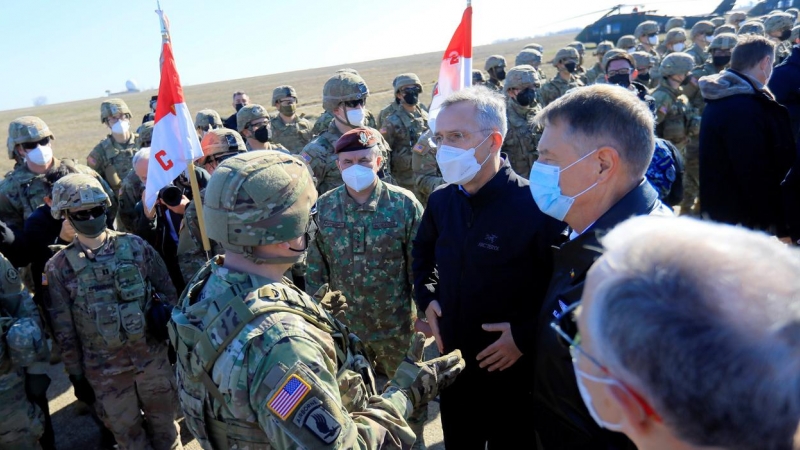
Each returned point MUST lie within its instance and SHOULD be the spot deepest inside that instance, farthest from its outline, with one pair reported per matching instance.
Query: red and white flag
(455, 72)
(175, 141)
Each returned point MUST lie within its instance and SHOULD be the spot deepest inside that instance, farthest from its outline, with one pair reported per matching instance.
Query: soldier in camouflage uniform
(736, 19)
(566, 61)
(627, 43)
(260, 364)
(130, 192)
(403, 125)
(111, 158)
(644, 68)
(289, 129)
(751, 27)
(427, 176)
(701, 36)
(580, 71)
(675, 41)
(531, 58)
(523, 136)
(677, 120)
(24, 188)
(104, 289)
(23, 355)
(778, 29)
(596, 72)
(253, 124)
(344, 95)
(206, 120)
(363, 249)
(144, 134)
(538, 47)
(325, 119)
(646, 35)
(495, 66)
(724, 28)
(478, 77)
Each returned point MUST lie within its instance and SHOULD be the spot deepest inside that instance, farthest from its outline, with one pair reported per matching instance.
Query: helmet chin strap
(250, 255)
(346, 121)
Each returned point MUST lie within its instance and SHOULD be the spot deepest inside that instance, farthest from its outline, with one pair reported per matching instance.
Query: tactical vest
(108, 310)
(675, 126)
(413, 126)
(119, 161)
(197, 353)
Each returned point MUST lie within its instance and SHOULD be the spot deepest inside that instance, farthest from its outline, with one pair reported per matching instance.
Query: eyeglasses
(354, 103)
(625, 71)
(88, 214)
(255, 126)
(411, 90)
(651, 34)
(33, 145)
(710, 33)
(288, 101)
(455, 138)
(566, 327)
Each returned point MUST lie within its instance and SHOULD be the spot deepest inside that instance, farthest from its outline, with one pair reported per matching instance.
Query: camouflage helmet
(675, 22)
(348, 70)
(724, 41)
(343, 87)
(538, 47)
(477, 77)
(406, 79)
(795, 34)
(614, 54)
(678, 63)
(724, 28)
(578, 45)
(674, 36)
(144, 134)
(717, 21)
(642, 59)
(26, 342)
(521, 77)
(77, 190)
(112, 107)
(794, 12)
(702, 27)
(626, 42)
(646, 27)
(778, 23)
(248, 114)
(258, 198)
(207, 118)
(528, 56)
(603, 47)
(282, 92)
(751, 27)
(26, 129)
(566, 53)
(494, 61)
(222, 140)
(737, 17)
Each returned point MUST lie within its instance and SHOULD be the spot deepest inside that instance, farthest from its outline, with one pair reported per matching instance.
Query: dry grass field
(77, 126)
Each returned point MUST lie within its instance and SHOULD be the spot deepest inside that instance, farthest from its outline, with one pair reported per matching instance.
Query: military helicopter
(767, 6)
(615, 24)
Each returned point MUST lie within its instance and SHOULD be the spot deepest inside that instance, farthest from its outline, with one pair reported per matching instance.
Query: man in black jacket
(785, 85)
(240, 100)
(481, 262)
(597, 144)
(746, 142)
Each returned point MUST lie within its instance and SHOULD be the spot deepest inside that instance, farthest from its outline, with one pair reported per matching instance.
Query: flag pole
(198, 207)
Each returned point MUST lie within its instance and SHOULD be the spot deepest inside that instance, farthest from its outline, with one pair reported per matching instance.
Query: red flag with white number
(455, 73)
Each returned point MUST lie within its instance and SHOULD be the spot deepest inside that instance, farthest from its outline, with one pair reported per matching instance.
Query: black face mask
(525, 98)
(500, 74)
(786, 35)
(239, 106)
(263, 134)
(720, 61)
(621, 79)
(411, 98)
(686, 80)
(570, 66)
(644, 78)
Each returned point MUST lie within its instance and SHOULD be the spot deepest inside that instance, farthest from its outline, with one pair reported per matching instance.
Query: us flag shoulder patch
(305, 157)
(418, 148)
(664, 109)
(284, 402)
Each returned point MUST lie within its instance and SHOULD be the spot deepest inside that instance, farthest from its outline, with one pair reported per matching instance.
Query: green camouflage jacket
(692, 90)
(130, 193)
(113, 160)
(402, 130)
(324, 120)
(294, 135)
(522, 138)
(557, 87)
(594, 72)
(427, 175)
(700, 56)
(676, 120)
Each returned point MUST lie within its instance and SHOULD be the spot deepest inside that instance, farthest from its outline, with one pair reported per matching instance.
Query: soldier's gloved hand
(83, 391)
(333, 301)
(422, 380)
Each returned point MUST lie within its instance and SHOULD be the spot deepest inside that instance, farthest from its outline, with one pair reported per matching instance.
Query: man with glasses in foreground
(688, 345)
(595, 149)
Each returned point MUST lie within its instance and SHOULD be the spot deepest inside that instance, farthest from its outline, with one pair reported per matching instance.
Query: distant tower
(131, 86)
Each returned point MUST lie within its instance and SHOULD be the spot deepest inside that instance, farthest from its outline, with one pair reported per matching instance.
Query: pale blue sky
(74, 49)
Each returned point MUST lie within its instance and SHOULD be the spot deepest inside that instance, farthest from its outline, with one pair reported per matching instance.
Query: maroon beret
(356, 139)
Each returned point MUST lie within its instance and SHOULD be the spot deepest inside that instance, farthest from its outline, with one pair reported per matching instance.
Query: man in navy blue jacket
(481, 263)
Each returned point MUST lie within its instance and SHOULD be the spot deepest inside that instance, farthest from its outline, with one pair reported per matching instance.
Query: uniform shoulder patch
(11, 275)
(419, 148)
(91, 160)
(664, 109)
(305, 157)
(288, 396)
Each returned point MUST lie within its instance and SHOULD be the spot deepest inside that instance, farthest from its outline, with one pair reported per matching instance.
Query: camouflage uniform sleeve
(663, 104)
(158, 274)
(414, 214)
(127, 206)
(114, 209)
(426, 171)
(317, 273)
(9, 214)
(549, 93)
(389, 131)
(96, 159)
(60, 311)
(314, 155)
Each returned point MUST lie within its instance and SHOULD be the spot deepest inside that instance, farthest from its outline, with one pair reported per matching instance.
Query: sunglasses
(413, 90)
(33, 145)
(651, 34)
(354, 103)
(88, 214)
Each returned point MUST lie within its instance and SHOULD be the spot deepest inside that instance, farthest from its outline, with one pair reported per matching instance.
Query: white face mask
(632, 49)
(546, 191)
(356, 116)
(678, 46)
(121, 126)
(653, 40)
(587, 397)
(709, 39)
(459, 166)
(358, 177)
(41, 155)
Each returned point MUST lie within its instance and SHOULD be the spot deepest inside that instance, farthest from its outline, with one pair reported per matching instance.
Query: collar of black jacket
(494, 186)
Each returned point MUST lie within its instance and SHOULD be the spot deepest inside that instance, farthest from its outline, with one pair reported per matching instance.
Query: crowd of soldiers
(101, 300)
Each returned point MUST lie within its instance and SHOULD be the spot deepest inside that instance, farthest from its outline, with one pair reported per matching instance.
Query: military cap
(221, 140)
(528, 56)
(725, 28)
(678, 63)
(477, 76)
(675, 35)
(494, 61)
(207, 118)
(248, 114)
(717, 21)
(626, 42)
(521, 77)
(675, 22)
(702, 27)
(737, 17)
(342, 87)
(752, 27)
(603, 47)
(578, 45)
(26, 129)
(795, 34)
(535, 46)
(356, 139)
(77, 190)
(778, 22)
(144, 134)
(282, 92)
(406, 79)
(112, 107)
(646, 27)
(566, 53)
(724, 41)
(614, 54)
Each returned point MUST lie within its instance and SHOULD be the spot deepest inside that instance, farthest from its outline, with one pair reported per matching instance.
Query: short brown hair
(239, 93)
(750, 50)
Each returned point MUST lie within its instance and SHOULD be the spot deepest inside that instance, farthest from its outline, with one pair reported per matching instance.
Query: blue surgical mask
(546, 191)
